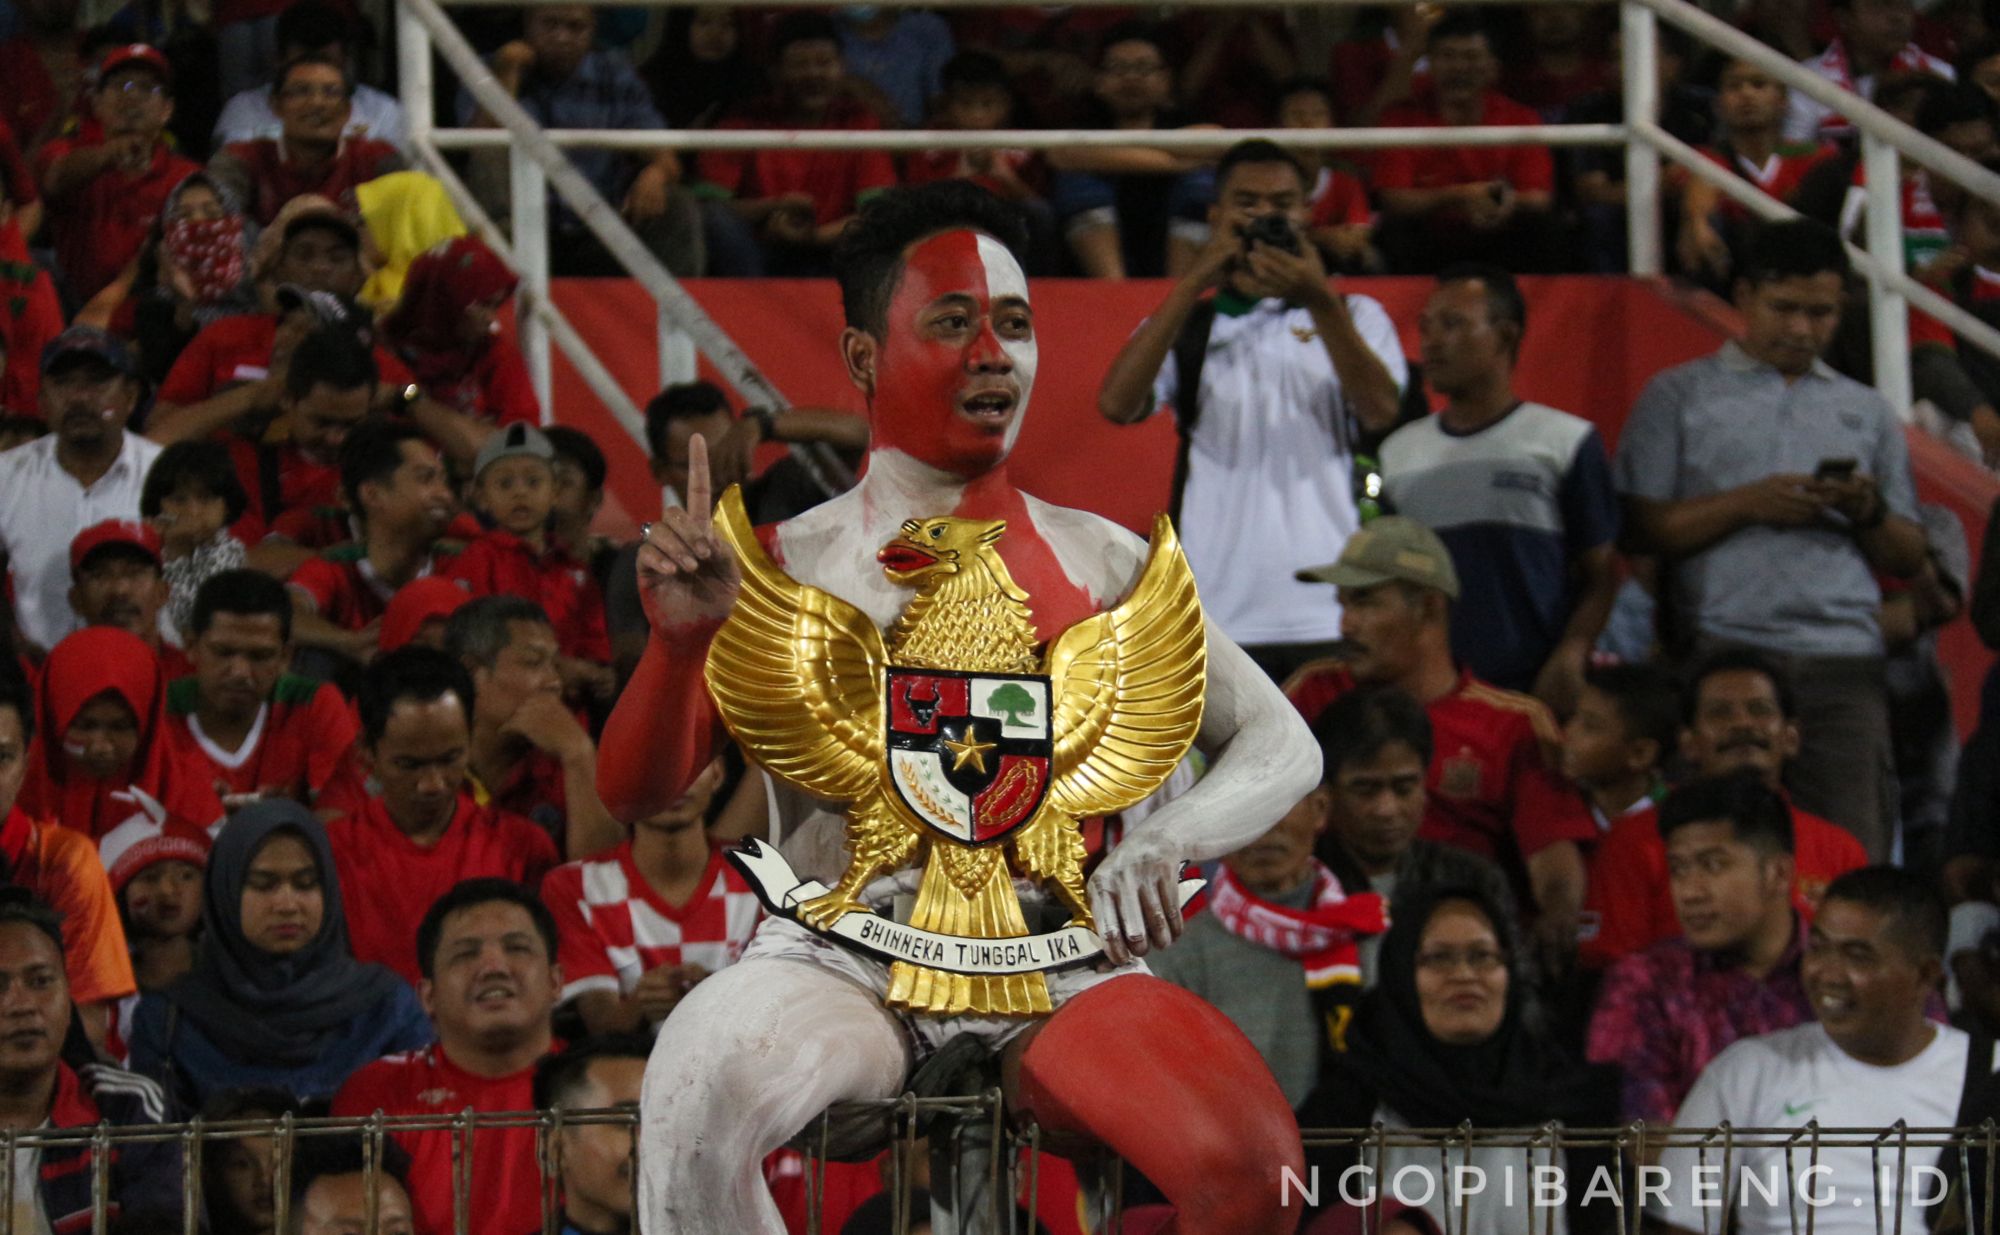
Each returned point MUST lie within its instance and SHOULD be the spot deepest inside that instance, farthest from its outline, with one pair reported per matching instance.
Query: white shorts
(784, 939)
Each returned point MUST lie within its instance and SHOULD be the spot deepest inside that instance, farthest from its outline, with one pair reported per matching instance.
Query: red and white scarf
(1324, 939)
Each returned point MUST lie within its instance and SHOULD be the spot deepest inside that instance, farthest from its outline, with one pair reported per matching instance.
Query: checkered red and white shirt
(614, 927)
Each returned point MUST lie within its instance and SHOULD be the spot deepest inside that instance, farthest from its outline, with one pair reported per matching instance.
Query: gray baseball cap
(514, 441)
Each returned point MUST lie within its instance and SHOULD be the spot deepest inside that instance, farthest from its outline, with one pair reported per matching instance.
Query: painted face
(952, 377)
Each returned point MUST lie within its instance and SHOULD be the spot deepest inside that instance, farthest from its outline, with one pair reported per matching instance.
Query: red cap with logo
(128, 532)
(135, 53)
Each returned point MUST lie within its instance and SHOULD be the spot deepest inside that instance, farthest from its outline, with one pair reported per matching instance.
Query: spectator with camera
(1274, 380)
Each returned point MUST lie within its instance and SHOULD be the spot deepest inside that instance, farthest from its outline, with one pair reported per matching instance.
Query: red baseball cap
(129, 532)
(135, 53)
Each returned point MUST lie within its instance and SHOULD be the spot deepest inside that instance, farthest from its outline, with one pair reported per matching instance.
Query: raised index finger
(698, 500)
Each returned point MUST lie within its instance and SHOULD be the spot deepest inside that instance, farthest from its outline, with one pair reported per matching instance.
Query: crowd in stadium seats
(1640, 796)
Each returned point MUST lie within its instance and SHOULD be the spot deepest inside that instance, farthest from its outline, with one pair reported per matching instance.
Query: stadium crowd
(1640, 795)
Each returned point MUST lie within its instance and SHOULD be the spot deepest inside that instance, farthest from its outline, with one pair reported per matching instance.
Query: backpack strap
(1190, 354)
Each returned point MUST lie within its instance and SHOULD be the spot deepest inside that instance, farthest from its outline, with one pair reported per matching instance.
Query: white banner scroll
(782, 892)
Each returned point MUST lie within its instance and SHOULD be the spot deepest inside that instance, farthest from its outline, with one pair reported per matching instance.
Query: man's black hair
(1364, 722)
(469, 894)
(802, 27)
(1136, 32)
(477, 630)
(15, 693)
(371, 454)
(1793, 249)
(1504, 302)
(249, 1102)
(244, 593)
(1306, 85)
(560, 1076)
(695, 400)
(414, 672)
(298, 62)
(1953, 103)
(333, 1154)
(1258, 151)
(1757, 813)
(868, 261)
(202, 461)
(580, 448)
(1737, 660)
(974, 68)
(335, 356)
(1462, 24)
(1917, 915)
(1647, 699)
(313, 25)
(1975, 53)
(18, 904)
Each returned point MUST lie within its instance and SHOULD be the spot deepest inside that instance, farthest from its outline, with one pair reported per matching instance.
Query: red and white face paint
(955, 369)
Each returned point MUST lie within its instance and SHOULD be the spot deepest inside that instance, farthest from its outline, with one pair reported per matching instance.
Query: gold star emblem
(969, 750)
(1304, 334)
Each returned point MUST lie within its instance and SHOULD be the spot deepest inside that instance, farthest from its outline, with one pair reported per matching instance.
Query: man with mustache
(118, 582)
(941, 342)
(1740, 716)
(490, 979)
(89, 469)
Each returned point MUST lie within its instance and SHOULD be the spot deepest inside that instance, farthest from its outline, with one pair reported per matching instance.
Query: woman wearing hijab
(276, 997)
(1446, 1038)
(446, 328)
(406, 214)
(701, 69)
(103, 755)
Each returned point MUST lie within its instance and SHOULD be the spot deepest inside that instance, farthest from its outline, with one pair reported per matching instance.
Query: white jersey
(1786, 1080)
(1268, 486)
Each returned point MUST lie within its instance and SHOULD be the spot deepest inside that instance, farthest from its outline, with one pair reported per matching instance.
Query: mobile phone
(1836, 469)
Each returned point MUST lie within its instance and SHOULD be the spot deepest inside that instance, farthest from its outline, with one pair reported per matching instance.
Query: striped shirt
(614, 928)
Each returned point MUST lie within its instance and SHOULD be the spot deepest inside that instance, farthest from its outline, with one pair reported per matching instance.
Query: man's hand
(1298, 277)
(1986, 428)
(661, 990)
(1855, 497)
(647, 199)
(1223, 250)
(1782, 500)
(363, 644)
(512, 62)
(1135, 897)
(688, 578)
(1702, 250)
(547, 723)
(1560, 681)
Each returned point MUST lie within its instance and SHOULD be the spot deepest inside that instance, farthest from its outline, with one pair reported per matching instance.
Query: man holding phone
(1775, 491)
(1273, 380)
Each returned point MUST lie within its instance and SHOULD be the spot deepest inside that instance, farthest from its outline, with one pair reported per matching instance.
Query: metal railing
(1449, 1171)
(536, 163)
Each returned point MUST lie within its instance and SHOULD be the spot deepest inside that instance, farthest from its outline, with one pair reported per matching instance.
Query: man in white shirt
(1287, 375)
(88, 470)
(1872, 960)
(306, 28)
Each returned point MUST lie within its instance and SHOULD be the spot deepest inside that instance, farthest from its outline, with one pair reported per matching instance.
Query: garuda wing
(796, 674)
(1128, 687)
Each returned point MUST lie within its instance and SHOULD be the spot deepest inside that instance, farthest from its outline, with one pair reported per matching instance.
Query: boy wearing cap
(88, 469)
(514, 490)
(155, 878)
(1493, 786)
(105, 193)
(117, 580)
(61, 866)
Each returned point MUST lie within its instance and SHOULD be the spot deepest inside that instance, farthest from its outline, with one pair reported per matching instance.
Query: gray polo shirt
(1726, 420)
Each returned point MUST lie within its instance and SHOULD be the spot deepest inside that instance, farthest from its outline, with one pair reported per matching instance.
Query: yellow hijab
(406, 214)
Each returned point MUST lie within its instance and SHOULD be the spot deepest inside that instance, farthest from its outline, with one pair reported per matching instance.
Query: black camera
(1273, 229)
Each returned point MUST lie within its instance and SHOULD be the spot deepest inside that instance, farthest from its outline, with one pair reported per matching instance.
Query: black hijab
(1519, 1077)
(694, 93)
(259, 1007)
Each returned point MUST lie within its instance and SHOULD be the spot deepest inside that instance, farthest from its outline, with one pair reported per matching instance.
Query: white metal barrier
(536, 163)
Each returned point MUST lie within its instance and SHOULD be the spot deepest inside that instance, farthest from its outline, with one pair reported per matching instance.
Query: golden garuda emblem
(958, 746)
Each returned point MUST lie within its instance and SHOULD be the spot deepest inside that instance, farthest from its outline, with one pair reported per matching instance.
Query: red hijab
(80, 668)
(423, 328)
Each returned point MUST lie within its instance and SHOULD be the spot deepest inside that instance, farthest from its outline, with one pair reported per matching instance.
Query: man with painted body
(940, 340)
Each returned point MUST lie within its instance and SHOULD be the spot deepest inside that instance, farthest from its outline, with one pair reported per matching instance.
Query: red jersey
(103, 223)
(925, 166)
(1492, 788)
(344, 588)
(836, 180)
(238, 349)
(266, 179)
(1339, 199)
(506, 1178)
(30, 101)
(1634, 906)
(614, 927)
(279, 479)
(535, 789)
(496, 389)
(388, 881)
(1780, 175)
(497, 562)
(301, 741)
(1530, 169)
